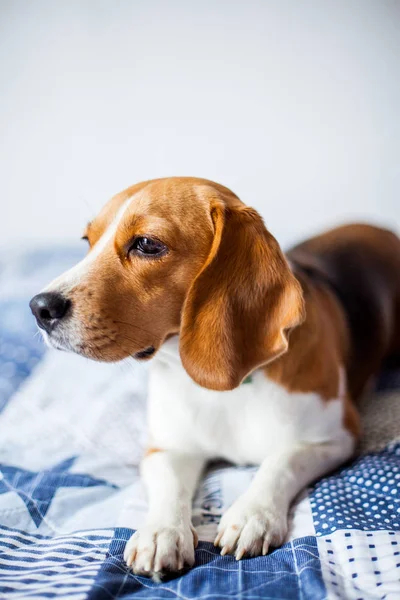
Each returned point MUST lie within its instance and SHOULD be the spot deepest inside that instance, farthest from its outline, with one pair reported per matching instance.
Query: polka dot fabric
(364, 496)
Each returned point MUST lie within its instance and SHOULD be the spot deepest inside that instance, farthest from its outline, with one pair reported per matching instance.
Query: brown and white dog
(180, 269)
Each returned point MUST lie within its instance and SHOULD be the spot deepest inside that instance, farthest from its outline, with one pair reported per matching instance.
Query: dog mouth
(146, 353)
(52, 340)
(59, 341)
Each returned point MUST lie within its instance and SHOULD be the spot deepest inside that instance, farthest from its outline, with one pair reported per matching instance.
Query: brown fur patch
(317, 348)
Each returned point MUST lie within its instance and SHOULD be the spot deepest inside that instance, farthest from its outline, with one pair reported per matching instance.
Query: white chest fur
(244, 425)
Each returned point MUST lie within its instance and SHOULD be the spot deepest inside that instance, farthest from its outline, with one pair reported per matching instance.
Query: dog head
(176, 256)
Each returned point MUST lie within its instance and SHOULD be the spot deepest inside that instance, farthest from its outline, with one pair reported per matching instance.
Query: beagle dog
(257, 358)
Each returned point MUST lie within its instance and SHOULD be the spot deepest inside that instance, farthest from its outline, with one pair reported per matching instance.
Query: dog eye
(148, 246)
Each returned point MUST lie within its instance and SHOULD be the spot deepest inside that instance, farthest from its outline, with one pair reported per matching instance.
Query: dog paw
(160, 552)
(250, 529)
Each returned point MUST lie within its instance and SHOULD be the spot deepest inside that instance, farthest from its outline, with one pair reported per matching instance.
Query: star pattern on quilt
(37, 489)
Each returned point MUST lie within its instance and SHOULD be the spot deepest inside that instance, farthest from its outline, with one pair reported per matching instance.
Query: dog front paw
(250, 529)
(158, 552)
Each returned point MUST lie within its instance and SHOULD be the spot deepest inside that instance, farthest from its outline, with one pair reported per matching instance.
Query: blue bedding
(72, 433)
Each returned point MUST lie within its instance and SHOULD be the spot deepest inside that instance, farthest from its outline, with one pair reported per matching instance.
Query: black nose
(48, 309)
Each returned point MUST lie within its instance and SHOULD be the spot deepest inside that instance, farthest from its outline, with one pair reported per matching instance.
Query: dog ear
(242, 304)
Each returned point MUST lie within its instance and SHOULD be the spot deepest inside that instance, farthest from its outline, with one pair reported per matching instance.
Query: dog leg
(258, 518)
(165, 545)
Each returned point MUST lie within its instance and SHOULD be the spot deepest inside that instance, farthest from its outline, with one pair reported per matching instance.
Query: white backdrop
(293, 104)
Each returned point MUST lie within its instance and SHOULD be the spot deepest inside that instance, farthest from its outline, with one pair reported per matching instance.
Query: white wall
(295, 105)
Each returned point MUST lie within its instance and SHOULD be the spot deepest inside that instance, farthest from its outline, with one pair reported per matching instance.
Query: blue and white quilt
(72, 434)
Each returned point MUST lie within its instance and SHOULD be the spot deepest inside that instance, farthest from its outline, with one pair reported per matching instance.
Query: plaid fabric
(72, 436)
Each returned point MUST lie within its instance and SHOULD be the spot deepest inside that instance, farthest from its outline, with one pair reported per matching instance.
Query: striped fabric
(44, 567)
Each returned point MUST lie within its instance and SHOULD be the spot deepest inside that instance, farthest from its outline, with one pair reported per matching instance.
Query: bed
(72, 434)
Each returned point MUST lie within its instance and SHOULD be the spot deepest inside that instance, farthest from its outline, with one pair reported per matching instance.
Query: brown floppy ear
(241, 305)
